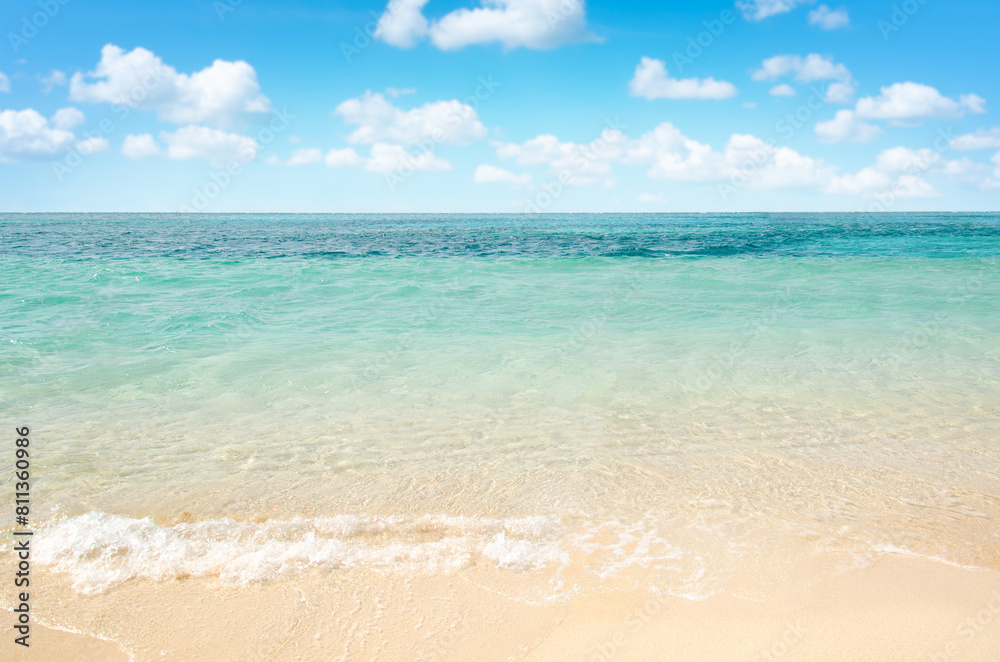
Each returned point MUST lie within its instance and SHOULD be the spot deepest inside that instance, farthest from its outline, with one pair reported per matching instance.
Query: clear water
(683, 397)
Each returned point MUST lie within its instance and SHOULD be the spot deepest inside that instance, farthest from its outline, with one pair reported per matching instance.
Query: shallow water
(687, 397)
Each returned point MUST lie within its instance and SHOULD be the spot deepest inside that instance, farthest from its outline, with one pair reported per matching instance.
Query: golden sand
(896, 608)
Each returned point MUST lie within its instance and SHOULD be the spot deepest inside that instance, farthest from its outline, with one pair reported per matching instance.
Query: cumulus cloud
(342, 158)
(587, 164)
(4, 82)
(53, 80)
(139, 146)
(829, 19)
(488, 174)
(402, 24)
(399, 91)
(865, 180)
(675, 157)
(387, 158)
(67, 118)
(840, 92)
(27, 134)
(808, 69)
(758, 10)
(901, 104)
(981, 139)
(994, 181)
(447, 122)
(783, 90)
(301, 156)
(871, 183)
(846, 127)
(900, 159)
(217, 95)
(908, 104)
(535, 24)
(213, 145)
(898, 172)
(651, 81)
(92, 145)
(671, 156)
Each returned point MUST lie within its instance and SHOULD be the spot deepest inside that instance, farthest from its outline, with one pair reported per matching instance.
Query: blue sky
(499, 106)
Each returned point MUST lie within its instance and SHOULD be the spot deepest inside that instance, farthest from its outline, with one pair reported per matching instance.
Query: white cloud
(139, 146)
(981, 139)
(648, 198)
(67, 118)
(808, 69)
(675, 157)
(215, 146)
(671, 156)
(902, 104)
(399, 91)
(449, 122)
(897, 174)
(26, 134)
(651, 81)
(840, 92)
(846, 127)
(871, 183)
(217, 95)
(984, 175)
(829, 19)
(4, 82)
(575, 164)
(865, 180)
(910, 103)
(758, 10)
(395, 159)
(342, 158)
(783, 90)
(994, 182)
(92, 145)
(386, 158)
(402, 24)
(964, 168)
(488, 174)
(536, 24)
(301, 156)
(899, 159)
(53, 80)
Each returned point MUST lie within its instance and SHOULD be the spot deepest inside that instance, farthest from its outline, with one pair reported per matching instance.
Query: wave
(101, 550)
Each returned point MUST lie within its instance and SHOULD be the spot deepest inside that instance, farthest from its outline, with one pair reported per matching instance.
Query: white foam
(686, 559)
(100, 550)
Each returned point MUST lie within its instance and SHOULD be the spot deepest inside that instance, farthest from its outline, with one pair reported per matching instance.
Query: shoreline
(897, 608)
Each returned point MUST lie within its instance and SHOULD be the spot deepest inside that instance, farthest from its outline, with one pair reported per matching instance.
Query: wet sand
(896, 608)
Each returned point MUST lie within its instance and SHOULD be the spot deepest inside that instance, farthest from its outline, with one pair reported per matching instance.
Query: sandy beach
(896, 608)
(653, 438)
(500, 331)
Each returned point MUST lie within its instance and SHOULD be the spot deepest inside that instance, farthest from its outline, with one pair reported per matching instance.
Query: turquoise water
(688, 395)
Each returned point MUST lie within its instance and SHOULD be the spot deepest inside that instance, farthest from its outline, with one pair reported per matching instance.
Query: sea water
(674, 399)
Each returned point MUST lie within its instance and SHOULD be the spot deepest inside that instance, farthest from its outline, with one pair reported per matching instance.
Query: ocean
(684, 403)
